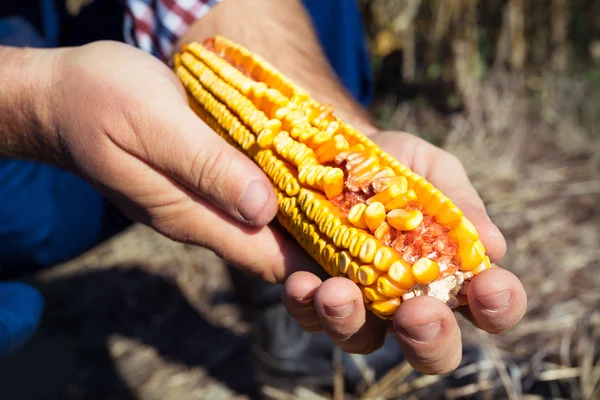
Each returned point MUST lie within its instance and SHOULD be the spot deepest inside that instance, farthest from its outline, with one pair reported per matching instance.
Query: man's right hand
(121, 119)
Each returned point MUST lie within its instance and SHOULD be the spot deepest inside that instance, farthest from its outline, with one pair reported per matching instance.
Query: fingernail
(339, 311)
(253, 200)
(495, 302)
(423, 333)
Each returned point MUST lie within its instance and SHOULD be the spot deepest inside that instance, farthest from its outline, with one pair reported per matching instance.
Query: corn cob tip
(353, 207)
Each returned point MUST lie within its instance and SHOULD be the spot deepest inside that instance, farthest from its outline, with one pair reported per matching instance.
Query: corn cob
(354, 208)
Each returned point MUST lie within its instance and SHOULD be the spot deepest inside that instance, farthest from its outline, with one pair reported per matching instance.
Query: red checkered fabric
(156, 25)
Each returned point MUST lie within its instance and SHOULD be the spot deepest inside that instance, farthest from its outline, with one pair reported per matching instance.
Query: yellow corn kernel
(357, 148)
(401, 274)
(388, 288)
(333, 127)
(368, 250)
(269, 132)
(344, 261)
(328, 150)
(386, 195)
(326, 179)
(374, 215)
(485, 264)
(300, 130)
(311, 209)
(353, 271)
(425, 270)
(386, 307)
(310, 111)
(384, 257)
(367, 275)
(405, 220)
(333, 183)
(435, 203)
(401, 201)
(356, 216)
(356, 243)
(470, 255)
(383, 230)
(338, 235)
(319, 139)
(347, 237)
(413, 179)
(449, 214)
(328, 256)
(259, 95)
(464, 232)
(331, 227)
(325, 219)
(282, 115)
(306, 174)
(395, 180)
(373, 294)
(303, 132)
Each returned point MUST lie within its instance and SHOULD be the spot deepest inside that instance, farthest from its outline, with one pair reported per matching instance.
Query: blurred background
(512, 87)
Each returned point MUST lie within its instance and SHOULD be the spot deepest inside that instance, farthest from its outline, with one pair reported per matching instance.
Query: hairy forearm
(24, 103)
(281, 32)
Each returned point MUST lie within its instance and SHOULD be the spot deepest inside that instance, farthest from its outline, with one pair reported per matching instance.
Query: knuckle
(209, 168)
(439, 360)
(439, 366)
(450, 160)
(496, 326)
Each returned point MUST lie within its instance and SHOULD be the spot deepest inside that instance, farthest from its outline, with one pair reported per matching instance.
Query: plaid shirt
(156, 25)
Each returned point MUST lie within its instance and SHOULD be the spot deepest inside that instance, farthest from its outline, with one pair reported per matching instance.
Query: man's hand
(124, 122)
(426, 327)
(120, 118)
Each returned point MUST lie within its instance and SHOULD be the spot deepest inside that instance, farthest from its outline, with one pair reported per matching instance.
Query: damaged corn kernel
(374, 215)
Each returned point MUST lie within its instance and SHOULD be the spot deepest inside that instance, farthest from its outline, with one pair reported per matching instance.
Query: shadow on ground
(69, 358)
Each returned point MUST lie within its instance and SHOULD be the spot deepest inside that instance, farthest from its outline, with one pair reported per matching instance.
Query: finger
(21, 308)
(204, 162)
(343, 316)
(154, 199)
(429, 335)
(497, 300)
(298, 297)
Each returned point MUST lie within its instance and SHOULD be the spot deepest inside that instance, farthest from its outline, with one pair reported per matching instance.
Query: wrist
(26, 126)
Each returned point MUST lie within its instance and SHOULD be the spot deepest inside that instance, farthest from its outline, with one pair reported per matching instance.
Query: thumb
(212, 168)
(20, 312)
